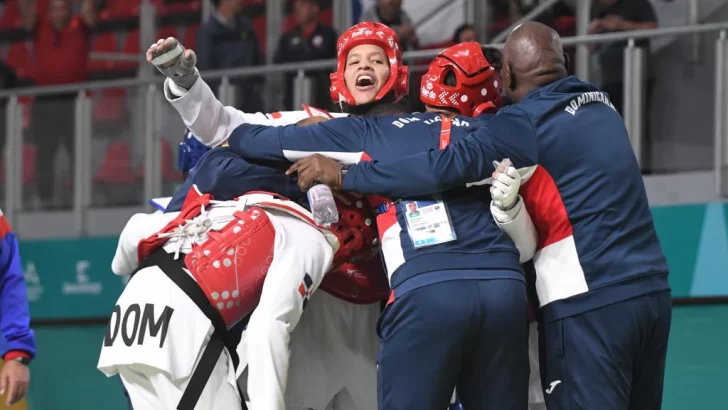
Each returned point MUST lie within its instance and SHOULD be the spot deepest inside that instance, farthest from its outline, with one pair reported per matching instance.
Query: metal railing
(149, 103)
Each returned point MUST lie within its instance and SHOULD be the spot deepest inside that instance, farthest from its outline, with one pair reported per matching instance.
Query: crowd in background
(47, 42)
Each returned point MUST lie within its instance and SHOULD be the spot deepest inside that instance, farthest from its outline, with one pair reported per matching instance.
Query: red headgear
(477, 87)
(379, 35)
(356, 231)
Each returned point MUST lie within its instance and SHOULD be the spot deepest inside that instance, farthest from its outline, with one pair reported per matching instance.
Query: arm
(509, 134)
(210, 121)
(341, 139)
(14, 314)
(140, 226)
(225, 175)
(517, 224)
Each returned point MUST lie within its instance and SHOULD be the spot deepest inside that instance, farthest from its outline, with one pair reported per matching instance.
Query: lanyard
(445, 132)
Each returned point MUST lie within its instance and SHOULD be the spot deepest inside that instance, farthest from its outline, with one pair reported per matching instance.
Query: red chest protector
(357, 275)
(231, 265)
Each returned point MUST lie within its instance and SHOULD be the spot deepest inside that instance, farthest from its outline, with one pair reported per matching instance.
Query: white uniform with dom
(157, 333)
(334, 350)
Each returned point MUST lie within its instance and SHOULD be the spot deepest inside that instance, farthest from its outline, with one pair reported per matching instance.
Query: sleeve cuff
(14, 354)
(175, 90)
(504, 217)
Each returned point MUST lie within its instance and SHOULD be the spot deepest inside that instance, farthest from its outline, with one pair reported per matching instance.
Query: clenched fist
(174, 61)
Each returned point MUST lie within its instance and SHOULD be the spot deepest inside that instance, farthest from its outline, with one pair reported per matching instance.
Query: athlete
(346, 368)
(367, 54)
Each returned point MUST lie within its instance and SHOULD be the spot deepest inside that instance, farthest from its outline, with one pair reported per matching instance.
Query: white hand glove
(174, 61)
(506, 182)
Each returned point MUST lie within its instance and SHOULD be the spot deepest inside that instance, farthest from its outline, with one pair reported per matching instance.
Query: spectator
(507, 12)
(464, 34)
(309, 40)
(19, 346)
(61, 43)
(625, 15)
(227, 40)
(390, 13)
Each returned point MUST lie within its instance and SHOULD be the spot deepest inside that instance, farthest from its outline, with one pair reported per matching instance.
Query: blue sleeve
(226, 175)
(342, 139)
(14, 314)
(509, 134)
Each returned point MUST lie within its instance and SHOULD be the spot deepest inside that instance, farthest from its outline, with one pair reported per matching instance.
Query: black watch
(22, 359)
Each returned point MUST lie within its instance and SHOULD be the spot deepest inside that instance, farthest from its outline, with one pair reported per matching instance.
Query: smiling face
(367, 70)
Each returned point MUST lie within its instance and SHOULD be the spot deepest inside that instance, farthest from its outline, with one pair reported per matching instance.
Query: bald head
(532, 57)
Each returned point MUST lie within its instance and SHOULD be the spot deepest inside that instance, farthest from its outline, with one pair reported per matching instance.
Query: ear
(508, 78)
(567, 62)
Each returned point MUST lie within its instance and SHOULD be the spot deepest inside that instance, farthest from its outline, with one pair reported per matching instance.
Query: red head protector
(461, 78)
(379, 35)
(356, 231)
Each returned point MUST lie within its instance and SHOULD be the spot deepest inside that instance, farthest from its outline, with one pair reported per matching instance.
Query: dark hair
(381, 110)
(215, 3)
(458, 31)
(494, 57)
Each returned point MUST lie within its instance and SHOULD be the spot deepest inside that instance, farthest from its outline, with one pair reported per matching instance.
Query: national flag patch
(305, 289)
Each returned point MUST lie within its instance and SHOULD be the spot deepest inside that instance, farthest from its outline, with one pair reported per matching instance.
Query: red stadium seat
(131, 46)
(19, 59)
(11, 17)
(116, 168)
(103, 43)
(170, 173)
(190, 40)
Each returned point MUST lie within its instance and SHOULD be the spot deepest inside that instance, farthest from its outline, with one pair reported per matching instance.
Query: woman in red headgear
(367, 54)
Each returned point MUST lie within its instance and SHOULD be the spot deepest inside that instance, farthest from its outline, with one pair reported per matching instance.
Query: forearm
(206, 117)
(517, 224)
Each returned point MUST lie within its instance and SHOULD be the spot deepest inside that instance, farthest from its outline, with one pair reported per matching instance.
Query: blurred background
(88, 138)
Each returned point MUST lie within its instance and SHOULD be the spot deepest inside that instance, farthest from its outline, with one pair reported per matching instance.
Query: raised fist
(174, 61)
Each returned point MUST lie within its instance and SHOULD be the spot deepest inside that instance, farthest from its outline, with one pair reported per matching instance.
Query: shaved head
(532, 58)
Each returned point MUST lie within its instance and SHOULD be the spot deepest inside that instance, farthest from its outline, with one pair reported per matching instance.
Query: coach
(601, 274)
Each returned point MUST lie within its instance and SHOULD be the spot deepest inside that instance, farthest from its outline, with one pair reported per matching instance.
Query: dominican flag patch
(305, 289)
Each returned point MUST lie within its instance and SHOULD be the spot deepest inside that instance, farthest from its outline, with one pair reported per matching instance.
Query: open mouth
(364, 82)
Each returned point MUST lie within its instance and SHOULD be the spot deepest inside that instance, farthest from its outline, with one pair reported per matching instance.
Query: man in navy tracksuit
(601, 274)
(457, 314)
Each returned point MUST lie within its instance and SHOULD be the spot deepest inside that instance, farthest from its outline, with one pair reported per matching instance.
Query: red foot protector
(231, 265)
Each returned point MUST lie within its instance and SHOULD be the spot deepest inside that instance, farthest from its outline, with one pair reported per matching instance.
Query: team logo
(305, 289)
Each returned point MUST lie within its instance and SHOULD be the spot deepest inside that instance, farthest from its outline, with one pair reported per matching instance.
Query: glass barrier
(679, 95)
(47, 155)
(117, 146)
(123, 130)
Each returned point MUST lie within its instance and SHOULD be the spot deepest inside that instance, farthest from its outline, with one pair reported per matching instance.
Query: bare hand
(14, 380)
(317, 169)
(595, 26)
